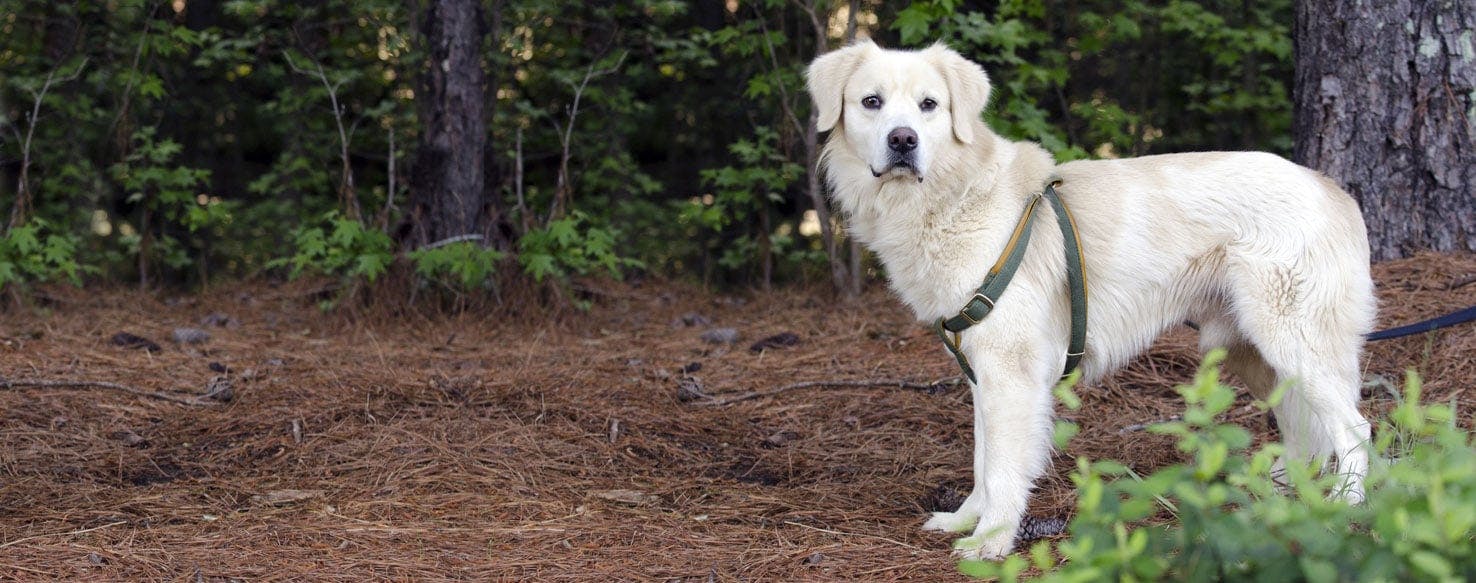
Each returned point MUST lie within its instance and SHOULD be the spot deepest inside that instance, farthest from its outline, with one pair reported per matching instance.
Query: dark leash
(1452, 319)
(1436, 323)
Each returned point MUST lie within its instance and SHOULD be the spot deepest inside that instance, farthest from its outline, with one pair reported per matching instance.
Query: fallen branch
(50, 384)
(893, 384)
(69, 533)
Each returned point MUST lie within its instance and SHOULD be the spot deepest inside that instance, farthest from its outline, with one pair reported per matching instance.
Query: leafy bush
(464, 265)
(168, 195)
(33, 252)
(571, 246)
(340, 247)
(1231, 521)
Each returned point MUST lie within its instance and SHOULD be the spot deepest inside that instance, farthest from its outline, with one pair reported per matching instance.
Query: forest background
(479, 146)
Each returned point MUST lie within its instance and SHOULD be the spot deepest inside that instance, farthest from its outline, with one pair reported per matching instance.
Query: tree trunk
(1385, 99)
(839, 277)
(446, 192)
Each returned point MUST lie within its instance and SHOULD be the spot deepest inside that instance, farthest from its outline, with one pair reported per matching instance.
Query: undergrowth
(1227, 519)
(36, 253)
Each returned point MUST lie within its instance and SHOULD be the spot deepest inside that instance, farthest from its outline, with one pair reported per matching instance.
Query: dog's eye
(871, 102)
(928, 104)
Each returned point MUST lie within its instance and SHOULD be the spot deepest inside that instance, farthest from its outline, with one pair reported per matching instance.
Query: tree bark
(1385, 98)
(446, 192)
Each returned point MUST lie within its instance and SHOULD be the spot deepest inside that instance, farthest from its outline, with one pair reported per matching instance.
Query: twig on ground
(68, 533)
(54, 384)
(1144, 426)
(856, 534)
(895, 384)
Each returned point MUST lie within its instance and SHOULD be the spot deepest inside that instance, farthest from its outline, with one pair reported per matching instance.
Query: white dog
(1269, 258)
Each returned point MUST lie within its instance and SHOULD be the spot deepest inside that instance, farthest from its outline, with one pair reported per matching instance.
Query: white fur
(1270, 258)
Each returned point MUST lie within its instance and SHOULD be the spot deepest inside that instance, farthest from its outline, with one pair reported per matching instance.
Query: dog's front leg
(1012, 436)
(967, 516)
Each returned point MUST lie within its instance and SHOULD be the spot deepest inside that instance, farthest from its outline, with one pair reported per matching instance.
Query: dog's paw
(983, 548)
(1350, 490)
(952, 522)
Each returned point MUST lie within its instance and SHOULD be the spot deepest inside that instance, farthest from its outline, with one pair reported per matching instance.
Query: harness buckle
(965, 312)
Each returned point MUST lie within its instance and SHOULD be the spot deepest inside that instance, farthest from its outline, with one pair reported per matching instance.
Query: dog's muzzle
(901, 152)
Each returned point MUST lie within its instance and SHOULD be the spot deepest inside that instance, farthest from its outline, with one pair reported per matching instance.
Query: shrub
(1231, 521)
(465, 266)
(339, 247)
(34, 252)
(571, 246)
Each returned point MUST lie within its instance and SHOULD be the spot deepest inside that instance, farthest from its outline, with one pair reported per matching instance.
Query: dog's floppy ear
(826, 79)
(968, 89)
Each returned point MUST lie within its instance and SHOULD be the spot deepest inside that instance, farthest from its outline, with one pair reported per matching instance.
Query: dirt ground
(583, 448)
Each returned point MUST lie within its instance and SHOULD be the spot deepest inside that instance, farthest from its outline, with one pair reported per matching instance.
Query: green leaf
(1431, 564)
(912, 23)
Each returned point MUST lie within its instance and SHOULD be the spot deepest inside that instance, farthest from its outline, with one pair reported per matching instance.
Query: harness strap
(982, 303)
(999, 275)
(1076, 279)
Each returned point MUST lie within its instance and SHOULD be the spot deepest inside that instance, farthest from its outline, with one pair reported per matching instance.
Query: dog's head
(898, 110)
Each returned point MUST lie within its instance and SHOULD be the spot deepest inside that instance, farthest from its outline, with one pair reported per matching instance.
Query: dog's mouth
(899, 166)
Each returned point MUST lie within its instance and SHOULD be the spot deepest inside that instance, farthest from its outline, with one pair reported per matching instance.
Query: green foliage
(1222, 516)
(149, 179)
(464, 265)
(169, 196)
(571, 246)
(755, 185)
(35, 253)
(190, 137)
(1125, 78)
(340, 247)
(761, 176)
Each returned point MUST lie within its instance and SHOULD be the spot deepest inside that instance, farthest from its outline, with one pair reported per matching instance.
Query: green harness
(999, 277)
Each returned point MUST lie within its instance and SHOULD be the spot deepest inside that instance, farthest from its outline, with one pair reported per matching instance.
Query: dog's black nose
(902, 140)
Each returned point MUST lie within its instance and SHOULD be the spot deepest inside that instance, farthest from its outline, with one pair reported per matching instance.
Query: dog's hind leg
(1310, 337)
(1241, 357)
(1243, 360)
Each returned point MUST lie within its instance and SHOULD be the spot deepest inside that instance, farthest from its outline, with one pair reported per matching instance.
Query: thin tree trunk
(765, 248)
(858, 276)
(822, 206)
(447, 191)
(1248, 77)
(815, 186)
(1385, 98)
(145, 244)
